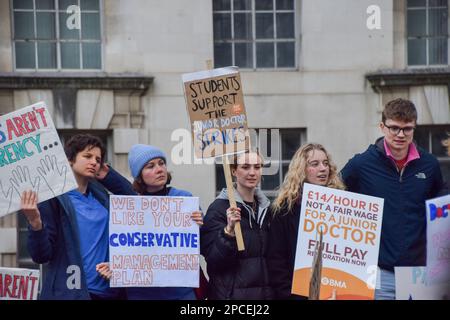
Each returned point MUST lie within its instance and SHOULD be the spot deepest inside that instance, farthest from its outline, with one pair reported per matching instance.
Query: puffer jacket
(233, 274)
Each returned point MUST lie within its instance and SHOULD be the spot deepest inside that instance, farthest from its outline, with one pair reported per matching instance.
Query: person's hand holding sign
(333, 295)
(29, 208)
(233, 216)
(104, 270)
(197, 217)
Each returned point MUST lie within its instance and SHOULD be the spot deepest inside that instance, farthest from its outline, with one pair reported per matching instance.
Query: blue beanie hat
(140, 154)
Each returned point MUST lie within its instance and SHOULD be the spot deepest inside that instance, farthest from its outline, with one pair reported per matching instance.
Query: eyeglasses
(396, 130)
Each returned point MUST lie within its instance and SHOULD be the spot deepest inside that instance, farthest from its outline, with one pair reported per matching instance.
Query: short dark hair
(79, 142)
(399, 109)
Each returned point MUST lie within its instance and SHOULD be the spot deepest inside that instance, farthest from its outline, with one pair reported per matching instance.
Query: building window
(254, 34)
(431, 138)
(23, 256)
(427, 32)
(57, 34)
(277, 147)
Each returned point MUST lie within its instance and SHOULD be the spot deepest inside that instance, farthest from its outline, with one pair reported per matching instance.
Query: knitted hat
(140, 154)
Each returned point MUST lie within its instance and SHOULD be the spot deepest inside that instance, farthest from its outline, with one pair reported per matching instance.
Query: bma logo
(332, 282)
(436, 212)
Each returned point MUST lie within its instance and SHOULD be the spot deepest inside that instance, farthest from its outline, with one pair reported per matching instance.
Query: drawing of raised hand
(21, 180)
(7, 196)
(48, 170)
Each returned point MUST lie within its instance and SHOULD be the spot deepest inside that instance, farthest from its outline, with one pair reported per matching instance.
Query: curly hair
(291, 190)
(399, 109)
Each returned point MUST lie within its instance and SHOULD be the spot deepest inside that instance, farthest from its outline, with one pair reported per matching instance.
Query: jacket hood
(263, 201)
(379, 144)
(263, 204)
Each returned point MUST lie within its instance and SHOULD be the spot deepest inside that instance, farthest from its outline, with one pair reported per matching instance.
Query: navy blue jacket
(57, 245)
(403, 233)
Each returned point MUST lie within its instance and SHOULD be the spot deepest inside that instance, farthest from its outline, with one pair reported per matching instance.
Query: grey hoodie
(263, 205)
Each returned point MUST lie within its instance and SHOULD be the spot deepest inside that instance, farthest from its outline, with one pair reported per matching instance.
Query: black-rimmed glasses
(396, 130)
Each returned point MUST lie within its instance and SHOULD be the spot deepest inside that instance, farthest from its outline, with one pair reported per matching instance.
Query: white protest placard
(411, 284)
(438, 240)
(18, 284)
(216, 109)
(351, 226)
(153, 242)
(31, 158)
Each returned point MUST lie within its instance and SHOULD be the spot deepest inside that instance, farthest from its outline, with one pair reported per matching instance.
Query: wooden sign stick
(230, 189)
(316, 271)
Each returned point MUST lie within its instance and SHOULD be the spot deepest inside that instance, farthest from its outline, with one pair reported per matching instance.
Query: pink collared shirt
(413, 154)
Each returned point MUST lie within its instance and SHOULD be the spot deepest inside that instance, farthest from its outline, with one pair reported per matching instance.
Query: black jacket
(234, 274)
(281, 251)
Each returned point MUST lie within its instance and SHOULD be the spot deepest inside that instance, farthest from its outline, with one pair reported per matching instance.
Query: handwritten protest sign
(31, 158)
(351, 226)
(18, 284)
(217, 114)
(438, 240)
(411, 284)
(153, 242)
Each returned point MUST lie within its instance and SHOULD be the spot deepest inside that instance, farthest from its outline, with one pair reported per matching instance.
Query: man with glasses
(405, 175)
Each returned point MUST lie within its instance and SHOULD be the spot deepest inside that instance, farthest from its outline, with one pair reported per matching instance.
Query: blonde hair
(291, 189)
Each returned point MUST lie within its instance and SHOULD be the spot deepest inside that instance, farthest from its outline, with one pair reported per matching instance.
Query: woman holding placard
(148, 168)
(312, 164)
(69, 233)
(234, 274)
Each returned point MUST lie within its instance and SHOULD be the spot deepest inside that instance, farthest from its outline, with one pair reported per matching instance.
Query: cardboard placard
(438, 240)
(31, 158)
(411, 284)
(19, 284)
(215, 104)
(351, 226)
(153, 242)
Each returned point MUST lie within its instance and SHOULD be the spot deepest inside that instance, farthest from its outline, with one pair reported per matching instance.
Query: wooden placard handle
(230, 191)
(230, 188)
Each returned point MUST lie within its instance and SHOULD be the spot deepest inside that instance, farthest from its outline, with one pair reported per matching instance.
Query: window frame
(430, 130)
(427, 37)
(253, 41)
(57, 40)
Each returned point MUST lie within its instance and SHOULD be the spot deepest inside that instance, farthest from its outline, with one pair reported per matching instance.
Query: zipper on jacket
(400, 172)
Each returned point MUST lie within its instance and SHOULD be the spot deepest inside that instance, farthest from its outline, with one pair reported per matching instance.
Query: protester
(69, 233)
(405, 176)
(151, 178)
(311, 163)
(234, 274)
